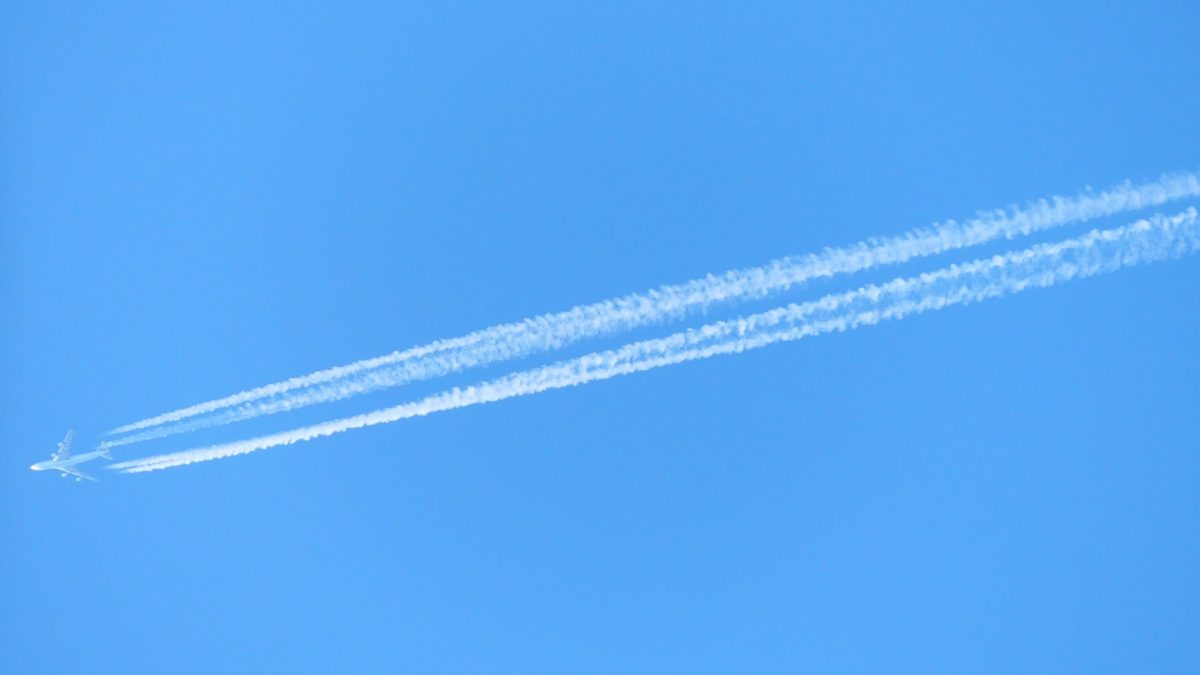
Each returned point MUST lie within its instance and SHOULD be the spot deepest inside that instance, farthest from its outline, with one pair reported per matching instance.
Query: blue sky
(197, 200)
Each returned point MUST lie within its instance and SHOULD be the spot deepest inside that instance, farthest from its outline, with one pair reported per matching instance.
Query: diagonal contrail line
(552, 331)
(1097, 252)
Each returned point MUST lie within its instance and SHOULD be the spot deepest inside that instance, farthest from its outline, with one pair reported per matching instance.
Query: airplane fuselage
(70, 461)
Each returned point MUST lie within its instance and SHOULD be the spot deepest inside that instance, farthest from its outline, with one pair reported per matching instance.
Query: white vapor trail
(1099, 251)
(553, 331)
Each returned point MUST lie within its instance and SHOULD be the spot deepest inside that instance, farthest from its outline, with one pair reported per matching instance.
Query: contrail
(1097, 252)
(553, 331)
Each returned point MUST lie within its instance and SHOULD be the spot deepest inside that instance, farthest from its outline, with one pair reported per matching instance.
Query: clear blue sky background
(197, 200)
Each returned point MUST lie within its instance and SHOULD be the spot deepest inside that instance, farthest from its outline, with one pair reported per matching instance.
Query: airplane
(63, 461)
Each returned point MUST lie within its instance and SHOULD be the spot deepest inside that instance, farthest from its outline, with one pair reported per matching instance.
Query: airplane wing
(76, 472)
(64, 447)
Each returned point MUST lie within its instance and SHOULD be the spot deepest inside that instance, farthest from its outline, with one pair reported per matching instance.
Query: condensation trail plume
(553, 331)
(1044, 265)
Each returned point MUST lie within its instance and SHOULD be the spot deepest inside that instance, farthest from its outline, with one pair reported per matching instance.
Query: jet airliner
(64, 461)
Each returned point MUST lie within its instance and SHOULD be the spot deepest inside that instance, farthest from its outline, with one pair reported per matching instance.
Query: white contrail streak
(1099, 251)
(552, 331)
